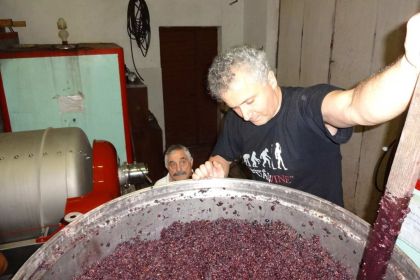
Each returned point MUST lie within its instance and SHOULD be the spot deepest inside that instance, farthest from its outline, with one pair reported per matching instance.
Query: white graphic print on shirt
(268, 160)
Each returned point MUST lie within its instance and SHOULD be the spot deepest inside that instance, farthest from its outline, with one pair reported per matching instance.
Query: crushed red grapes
(220, 249)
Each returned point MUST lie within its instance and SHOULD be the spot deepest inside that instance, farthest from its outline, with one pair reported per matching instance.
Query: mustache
(180, 173)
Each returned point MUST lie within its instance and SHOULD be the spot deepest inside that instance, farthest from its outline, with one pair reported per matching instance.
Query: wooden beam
(10, 23)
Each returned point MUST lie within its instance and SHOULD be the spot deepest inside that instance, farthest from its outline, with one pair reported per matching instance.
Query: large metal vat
(39, 170)
(144, 213)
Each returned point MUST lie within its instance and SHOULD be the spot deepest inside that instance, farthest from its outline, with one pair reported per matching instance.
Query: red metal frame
(8, 35)
(4, 110)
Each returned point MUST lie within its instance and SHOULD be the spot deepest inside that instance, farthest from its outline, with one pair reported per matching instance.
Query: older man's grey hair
(222, 71)
(176, 147)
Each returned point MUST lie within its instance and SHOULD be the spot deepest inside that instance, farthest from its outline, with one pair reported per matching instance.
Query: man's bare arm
(383, 96)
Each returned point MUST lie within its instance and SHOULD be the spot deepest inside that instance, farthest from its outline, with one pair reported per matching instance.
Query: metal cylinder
(39, 170)
(134, 173)
(146, 212)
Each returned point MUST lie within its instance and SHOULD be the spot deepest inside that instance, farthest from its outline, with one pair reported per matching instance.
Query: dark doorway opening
(191, 115)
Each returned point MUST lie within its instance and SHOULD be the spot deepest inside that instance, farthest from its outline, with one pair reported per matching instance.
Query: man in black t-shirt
(293, 148)
(291, 136)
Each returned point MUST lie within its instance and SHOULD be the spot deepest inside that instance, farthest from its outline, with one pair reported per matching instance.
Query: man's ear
(272, 81)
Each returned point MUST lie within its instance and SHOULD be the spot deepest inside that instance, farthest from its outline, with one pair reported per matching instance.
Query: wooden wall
(343, 42)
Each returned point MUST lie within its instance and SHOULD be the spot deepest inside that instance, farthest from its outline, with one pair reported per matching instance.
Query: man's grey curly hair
(222, 71)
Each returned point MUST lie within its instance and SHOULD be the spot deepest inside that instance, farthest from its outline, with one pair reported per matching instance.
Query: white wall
(261, 22)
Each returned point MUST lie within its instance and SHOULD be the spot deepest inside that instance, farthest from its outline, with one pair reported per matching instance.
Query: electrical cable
(389, 150)
(138, 27)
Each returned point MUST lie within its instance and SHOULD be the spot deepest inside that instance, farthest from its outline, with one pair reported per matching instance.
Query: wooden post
(401, 182)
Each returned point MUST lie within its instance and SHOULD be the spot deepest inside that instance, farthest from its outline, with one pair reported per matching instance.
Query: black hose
(138, 27)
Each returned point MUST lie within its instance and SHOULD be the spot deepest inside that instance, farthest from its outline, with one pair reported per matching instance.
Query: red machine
(106, 186)
(50, 177)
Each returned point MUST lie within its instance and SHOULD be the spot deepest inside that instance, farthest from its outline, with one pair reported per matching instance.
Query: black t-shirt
(294, 148)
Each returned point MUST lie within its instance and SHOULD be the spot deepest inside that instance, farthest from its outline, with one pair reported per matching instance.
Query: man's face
(253, 100)
(179, 166)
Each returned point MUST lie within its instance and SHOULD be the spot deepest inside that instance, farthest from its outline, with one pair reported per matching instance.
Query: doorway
(191, 115)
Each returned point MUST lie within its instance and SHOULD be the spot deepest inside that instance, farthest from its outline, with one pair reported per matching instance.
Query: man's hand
(210, 169)
(412, 41)
(215, 167)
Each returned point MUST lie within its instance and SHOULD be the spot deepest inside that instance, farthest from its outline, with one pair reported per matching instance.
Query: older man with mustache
(178, 162)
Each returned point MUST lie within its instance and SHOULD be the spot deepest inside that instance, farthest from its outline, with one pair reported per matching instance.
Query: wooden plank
(318, 27)
(353, 42)
(351, 57)
(19, 23)
(290, 40)
(6, 22)
(390, 30)
(11, 23)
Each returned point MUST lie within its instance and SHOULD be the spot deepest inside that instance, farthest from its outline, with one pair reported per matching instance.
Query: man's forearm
(385, 95)
(381, 97)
